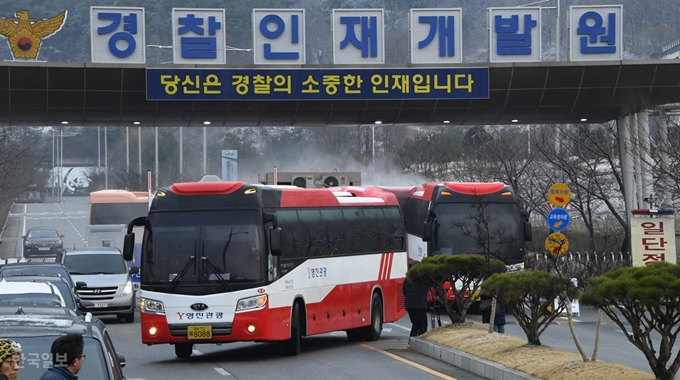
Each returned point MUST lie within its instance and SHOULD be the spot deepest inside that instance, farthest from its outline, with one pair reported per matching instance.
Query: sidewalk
(10, 234)
(465, 361)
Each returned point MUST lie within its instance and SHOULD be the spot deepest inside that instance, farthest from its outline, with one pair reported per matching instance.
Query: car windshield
(29, 270)
(95, 263)
(39, 298)
(40, 234)
(35, 358)
(231, 242)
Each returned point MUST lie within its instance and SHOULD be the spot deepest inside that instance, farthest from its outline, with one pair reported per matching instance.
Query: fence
(579, 265)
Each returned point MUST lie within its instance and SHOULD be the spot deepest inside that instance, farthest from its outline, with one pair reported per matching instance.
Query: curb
(463, 360)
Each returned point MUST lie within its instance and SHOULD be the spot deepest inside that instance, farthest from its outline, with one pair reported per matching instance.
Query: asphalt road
(329, 356)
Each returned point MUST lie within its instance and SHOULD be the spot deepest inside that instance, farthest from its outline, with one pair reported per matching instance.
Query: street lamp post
(99, 152)
(205, 150)
(127, 154)
(156, 157)
(106, 160)
(61, 163)
(54, 171)
(181, 154)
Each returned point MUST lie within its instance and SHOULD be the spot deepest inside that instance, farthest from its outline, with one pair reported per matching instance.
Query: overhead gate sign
(319, 84)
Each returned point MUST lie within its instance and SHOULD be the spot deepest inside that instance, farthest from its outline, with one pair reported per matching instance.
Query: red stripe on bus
(382, 266)
(389, 265)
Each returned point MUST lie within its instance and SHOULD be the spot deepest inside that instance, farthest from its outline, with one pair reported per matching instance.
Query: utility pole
(54, 171)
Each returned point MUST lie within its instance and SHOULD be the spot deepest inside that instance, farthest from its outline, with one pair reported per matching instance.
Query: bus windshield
(227, 246)
(469, 227)
(116, 213)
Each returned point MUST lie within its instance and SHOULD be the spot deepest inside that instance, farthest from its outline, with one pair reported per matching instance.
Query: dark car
(35, 268)
(71, 299)
(35, 328)
(42, 241)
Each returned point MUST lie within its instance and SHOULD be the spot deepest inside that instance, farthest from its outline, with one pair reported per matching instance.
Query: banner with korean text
(652, 240)
(323, 84)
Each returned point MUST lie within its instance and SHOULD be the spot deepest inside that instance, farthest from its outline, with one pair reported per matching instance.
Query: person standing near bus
(415, 295)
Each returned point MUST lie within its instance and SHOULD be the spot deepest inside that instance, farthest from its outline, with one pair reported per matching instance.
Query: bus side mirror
(128, 246)
(275, 241)
(427, 229)
(527, 231)
(270, 217)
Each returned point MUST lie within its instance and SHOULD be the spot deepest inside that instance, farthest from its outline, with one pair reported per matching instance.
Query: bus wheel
(372, 331)
(292, 346)
(183, 350)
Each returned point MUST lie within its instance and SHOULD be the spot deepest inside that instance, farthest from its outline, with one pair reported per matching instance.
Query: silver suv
(103, 278)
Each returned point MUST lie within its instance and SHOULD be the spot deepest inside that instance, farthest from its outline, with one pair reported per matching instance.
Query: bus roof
(119, 196)
(426, 190)
(286, 196)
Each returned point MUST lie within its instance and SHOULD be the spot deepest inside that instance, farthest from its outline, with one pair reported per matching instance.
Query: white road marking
(196, 352)
(222, 371)
(72, 225)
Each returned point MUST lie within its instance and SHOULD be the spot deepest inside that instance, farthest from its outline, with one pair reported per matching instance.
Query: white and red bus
(464, 217)
(228, 261)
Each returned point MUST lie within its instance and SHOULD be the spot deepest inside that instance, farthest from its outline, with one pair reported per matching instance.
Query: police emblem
(25, 34)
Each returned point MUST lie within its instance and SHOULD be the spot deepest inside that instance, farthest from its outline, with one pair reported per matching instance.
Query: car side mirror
(121, 359)
(81, 284)
(62, 236)
(134, 269)
(84, 305)
(24, 237)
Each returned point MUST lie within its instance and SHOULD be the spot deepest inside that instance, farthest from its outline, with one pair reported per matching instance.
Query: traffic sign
(559, 194)
(558, 219)
(557, 244)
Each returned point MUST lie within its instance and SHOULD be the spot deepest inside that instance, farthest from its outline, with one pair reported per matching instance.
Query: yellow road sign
(556, 243)
(559, 194)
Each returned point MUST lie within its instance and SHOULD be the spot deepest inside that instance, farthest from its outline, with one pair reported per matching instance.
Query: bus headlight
(257, 302)
(151, 306)
(127, 290)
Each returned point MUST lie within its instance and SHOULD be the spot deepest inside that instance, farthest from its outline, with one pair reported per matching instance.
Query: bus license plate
(199, 332)
(101, 304)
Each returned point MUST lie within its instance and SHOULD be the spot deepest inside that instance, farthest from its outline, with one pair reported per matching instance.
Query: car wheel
(183, 350)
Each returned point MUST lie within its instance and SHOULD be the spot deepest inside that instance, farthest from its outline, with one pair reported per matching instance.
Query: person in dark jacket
(67, 358)
(415, 295)
(499, 318)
